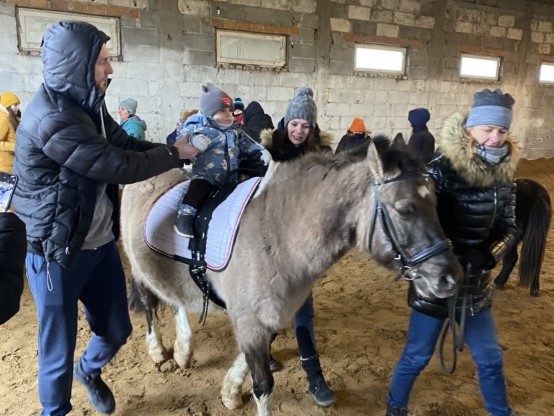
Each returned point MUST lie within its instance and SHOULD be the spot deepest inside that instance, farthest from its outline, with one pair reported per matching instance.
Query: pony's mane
(394, 155)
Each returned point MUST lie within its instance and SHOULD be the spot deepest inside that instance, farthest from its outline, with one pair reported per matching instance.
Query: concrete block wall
(168, 51)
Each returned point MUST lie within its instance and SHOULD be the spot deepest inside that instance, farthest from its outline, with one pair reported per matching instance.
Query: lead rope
(457, 339)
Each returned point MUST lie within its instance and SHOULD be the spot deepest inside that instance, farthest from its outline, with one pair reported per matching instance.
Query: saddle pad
(160, 236)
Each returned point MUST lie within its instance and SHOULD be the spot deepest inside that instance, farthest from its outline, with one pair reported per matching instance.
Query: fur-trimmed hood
(266, 138)
(453, 143)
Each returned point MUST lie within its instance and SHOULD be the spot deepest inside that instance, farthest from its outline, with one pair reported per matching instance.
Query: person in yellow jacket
(9, 109)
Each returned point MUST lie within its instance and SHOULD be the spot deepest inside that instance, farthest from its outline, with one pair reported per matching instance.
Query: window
(31, 24)
(381, 59)
(479, 66)
(546, 73)
(249, 48)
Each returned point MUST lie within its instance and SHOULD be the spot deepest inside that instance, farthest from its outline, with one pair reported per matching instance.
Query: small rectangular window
(480, 66)
(546, 73)
(31, 24)
(381, 59)
(247, 48)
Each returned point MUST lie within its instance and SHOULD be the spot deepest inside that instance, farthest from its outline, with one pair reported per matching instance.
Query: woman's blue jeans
(304, 329)
(480, 336)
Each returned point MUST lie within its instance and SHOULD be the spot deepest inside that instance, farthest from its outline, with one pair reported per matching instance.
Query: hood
(69, 52)
(266, 138)
(253, 109)
(453, 142)
(136, 120)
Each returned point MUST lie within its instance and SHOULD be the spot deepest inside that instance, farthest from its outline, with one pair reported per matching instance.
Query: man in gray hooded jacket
(70, 157)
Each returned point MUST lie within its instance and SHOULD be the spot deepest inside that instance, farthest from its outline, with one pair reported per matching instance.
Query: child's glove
(199, 142)
(266, 157)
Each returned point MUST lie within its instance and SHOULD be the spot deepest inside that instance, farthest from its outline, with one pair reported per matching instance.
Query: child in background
(238, 110)
(214, 133)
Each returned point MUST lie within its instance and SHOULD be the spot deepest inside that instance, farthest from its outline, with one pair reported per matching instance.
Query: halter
(406, 271)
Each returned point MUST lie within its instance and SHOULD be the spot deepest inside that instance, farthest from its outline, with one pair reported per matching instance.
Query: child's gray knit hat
(213, 99)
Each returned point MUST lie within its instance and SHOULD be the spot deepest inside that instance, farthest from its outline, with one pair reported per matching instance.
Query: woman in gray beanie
(129, 121)
(297, 134)
(473, 172)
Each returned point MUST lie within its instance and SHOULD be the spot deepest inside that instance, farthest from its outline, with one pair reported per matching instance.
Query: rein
(407, 270)
(457, 338)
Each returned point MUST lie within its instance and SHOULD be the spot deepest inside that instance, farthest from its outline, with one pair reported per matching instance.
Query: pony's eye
(405, 209)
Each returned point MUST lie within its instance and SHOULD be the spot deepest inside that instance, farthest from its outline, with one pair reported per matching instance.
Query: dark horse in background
(533, 213)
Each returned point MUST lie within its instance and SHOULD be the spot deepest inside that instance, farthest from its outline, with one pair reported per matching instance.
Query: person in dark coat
(356, 135)
(70, 156)
(255, 120)
(422, 142)
(473, 173)
(12, 260)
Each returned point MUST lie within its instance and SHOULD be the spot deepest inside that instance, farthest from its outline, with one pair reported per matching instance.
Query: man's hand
(186, 150)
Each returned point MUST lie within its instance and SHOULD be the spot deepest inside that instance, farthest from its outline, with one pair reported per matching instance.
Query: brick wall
(168, 51)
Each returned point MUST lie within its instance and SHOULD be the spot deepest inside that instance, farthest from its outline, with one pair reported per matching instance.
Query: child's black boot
(184, 226)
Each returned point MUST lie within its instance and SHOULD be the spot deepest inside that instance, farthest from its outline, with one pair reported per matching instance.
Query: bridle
(407, 271)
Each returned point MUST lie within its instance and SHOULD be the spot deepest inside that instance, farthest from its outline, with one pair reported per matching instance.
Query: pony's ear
(398, 141)
(375, 162)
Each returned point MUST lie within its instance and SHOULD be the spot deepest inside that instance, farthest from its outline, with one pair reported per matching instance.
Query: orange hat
(8, 98)
(357, 126)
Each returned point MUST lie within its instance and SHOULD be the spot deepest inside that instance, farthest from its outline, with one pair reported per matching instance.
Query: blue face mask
(491, 155)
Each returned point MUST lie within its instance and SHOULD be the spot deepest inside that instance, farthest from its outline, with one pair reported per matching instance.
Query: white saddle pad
(160, 236)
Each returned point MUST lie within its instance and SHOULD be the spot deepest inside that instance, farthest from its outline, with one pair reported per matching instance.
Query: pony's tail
(534, 243)
(141, 300)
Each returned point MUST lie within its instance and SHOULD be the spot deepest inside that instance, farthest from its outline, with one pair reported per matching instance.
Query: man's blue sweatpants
(96, 278)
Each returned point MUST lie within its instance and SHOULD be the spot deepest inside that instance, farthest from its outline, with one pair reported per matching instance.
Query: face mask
(491, 155)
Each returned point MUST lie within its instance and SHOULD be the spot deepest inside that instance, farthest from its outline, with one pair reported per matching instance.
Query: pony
(310, 212)
(533, 214)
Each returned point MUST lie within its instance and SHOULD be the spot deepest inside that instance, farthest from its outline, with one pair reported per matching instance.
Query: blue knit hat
(302, 106)
(491, 108)
(213, 99)
(130, 105)
(418, 117)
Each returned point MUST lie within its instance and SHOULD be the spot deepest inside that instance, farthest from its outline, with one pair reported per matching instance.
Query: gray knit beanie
(302, 106)
(491, 108)
(213, 99)
(130, 105)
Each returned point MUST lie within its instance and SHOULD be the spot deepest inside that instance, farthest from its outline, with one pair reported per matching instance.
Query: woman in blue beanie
(298, 134)
(473, 172)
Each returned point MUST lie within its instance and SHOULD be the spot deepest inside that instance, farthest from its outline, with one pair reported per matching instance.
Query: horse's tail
(141, 299)
(534, 242)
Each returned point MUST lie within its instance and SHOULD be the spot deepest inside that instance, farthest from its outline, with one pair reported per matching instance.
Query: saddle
(216, 226)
